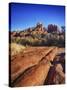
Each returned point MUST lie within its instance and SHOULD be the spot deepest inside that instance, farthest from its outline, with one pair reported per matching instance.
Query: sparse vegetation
(41, 40)
(15, 48)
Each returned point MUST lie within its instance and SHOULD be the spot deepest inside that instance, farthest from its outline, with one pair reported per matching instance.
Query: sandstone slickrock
(22, 62)
(37, 74)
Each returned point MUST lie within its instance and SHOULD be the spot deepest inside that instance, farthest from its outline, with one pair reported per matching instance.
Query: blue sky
(27, 15)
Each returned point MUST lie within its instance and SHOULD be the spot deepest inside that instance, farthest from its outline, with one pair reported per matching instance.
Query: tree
(63, 29)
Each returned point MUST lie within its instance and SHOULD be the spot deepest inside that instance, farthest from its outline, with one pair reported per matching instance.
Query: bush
(41, 40)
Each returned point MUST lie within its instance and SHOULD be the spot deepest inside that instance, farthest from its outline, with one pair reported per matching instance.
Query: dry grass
(16, 48)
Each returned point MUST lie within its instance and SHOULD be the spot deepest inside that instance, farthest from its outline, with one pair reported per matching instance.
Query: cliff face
(39, 29)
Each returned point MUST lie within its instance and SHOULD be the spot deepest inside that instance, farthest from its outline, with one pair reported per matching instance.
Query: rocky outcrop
(38, 29)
